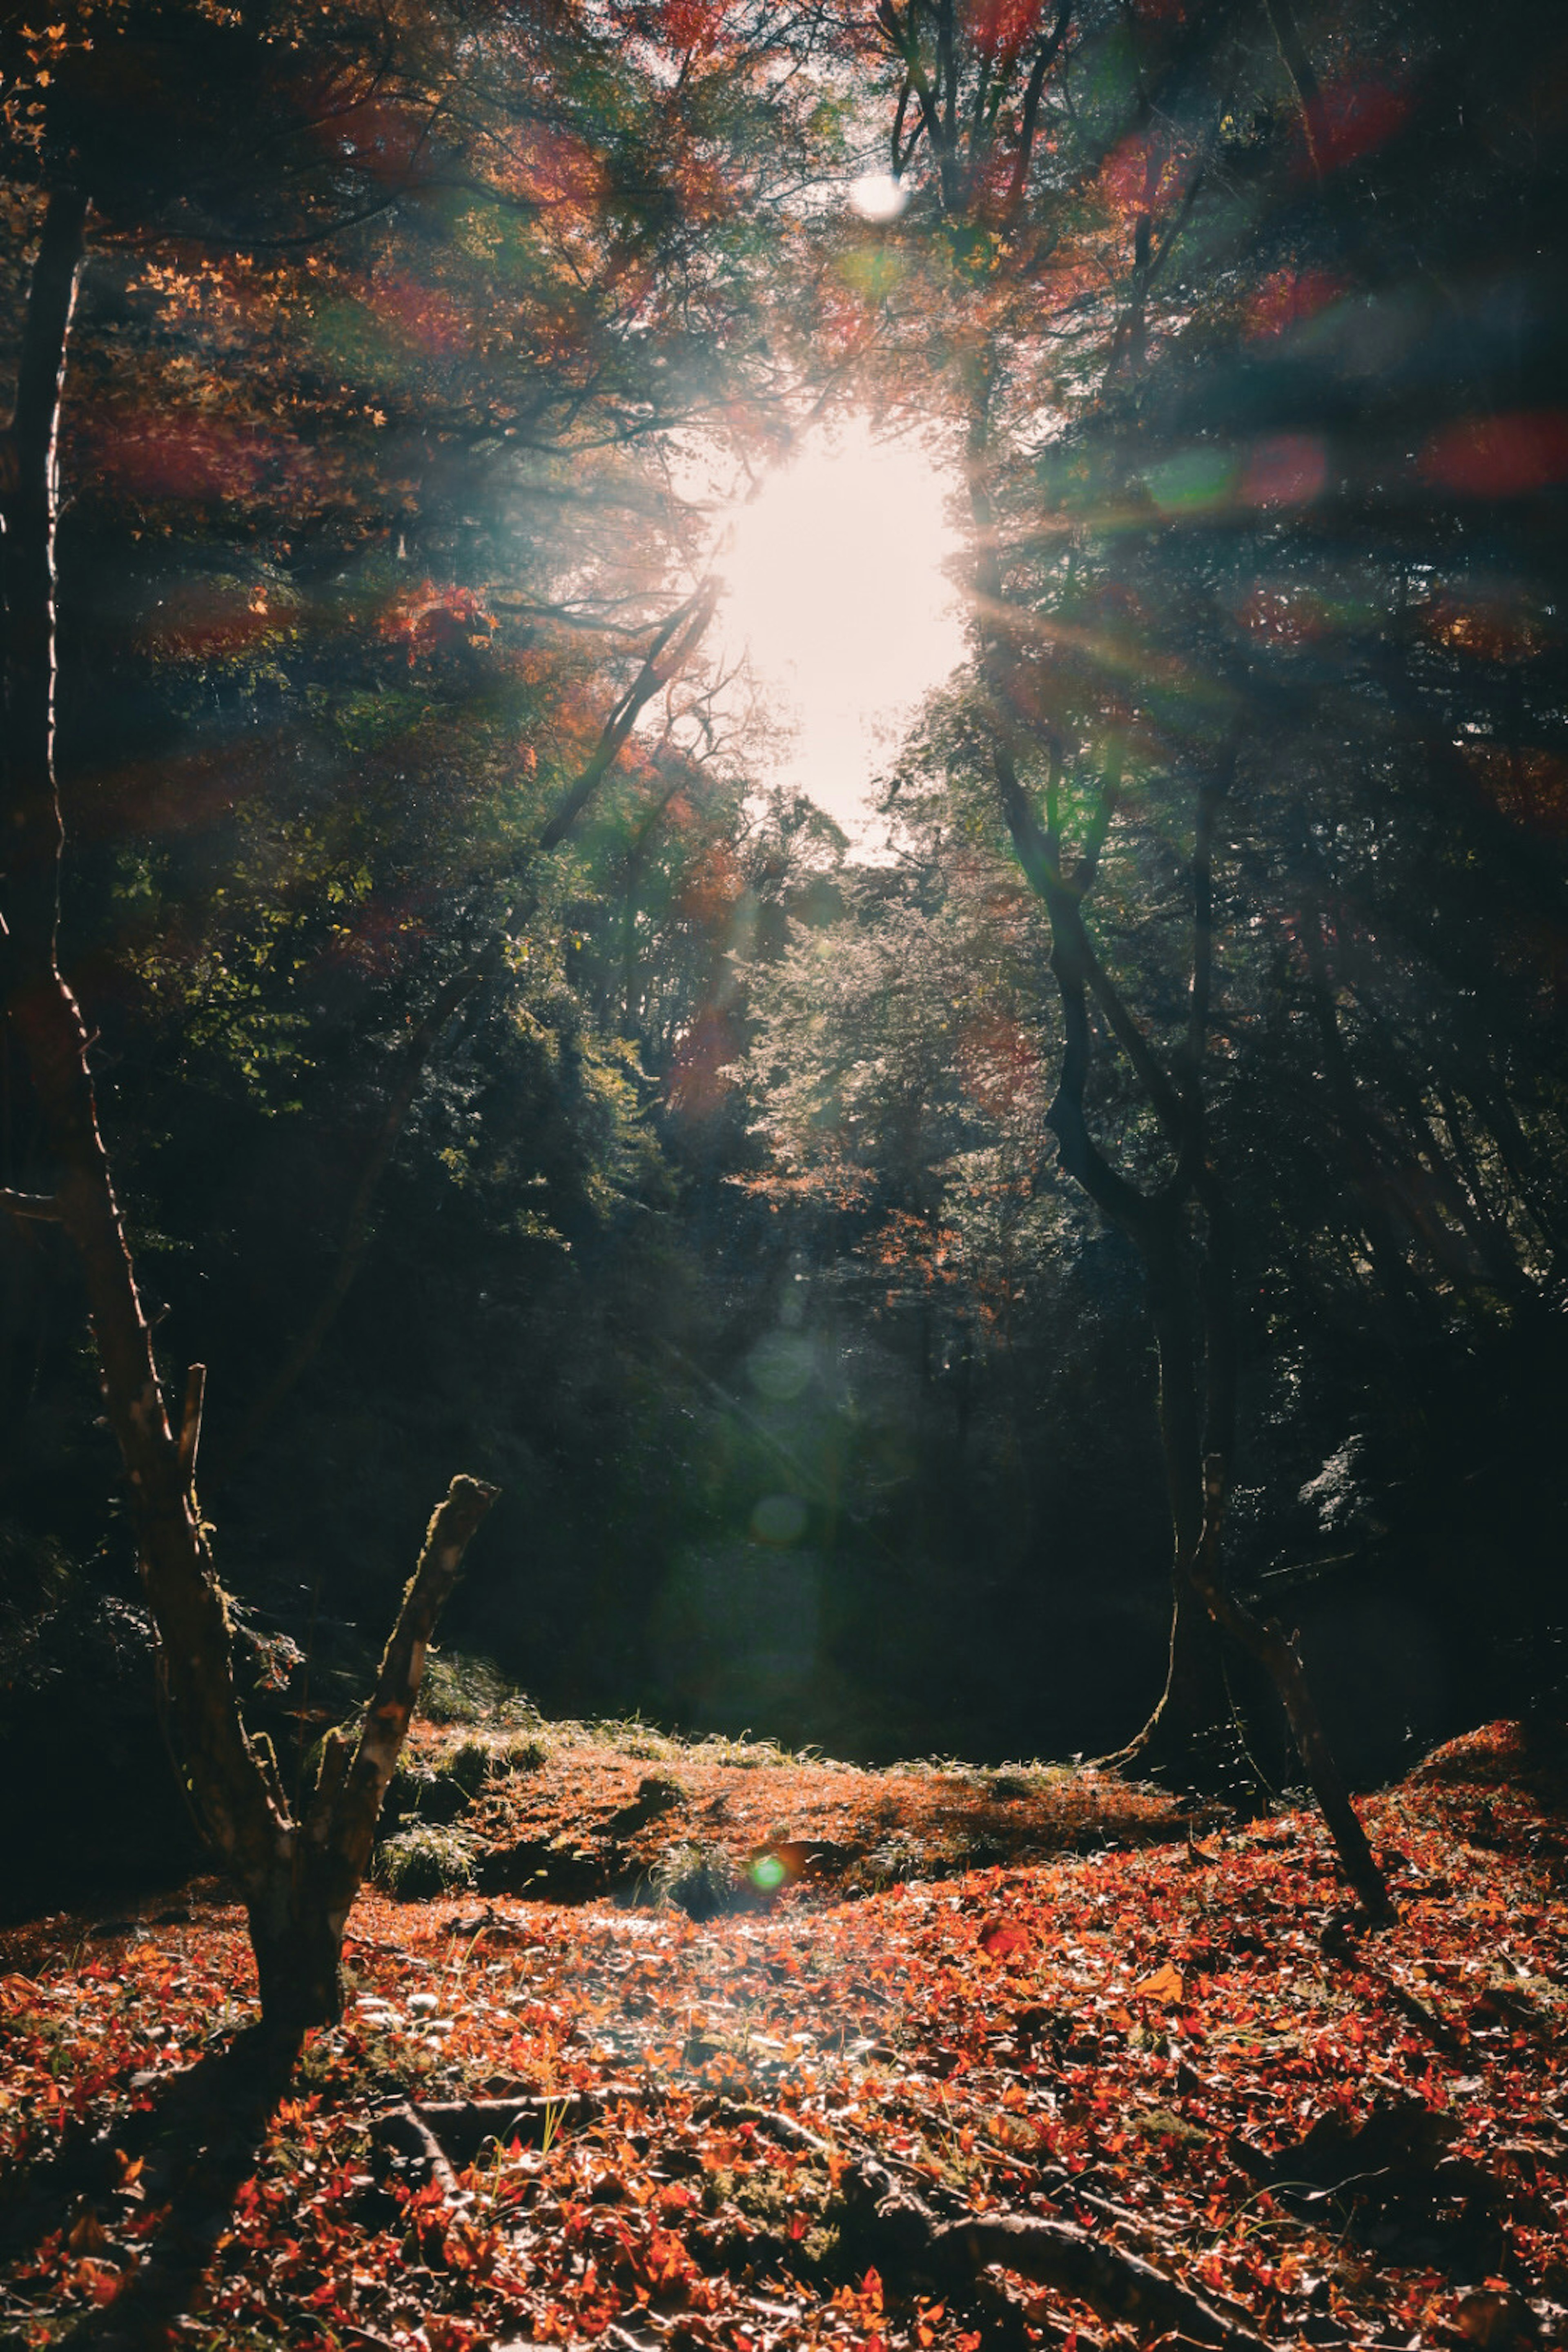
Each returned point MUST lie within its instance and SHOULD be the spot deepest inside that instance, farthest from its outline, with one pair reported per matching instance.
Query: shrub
(469, 1764)
(701, 1880)
(423, 1860)
(461, 1689)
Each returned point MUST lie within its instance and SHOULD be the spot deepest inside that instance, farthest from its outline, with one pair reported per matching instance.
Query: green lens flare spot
(768, 1872)
(1197, 480)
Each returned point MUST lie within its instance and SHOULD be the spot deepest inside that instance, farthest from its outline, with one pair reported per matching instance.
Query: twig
(191, 1424)
(42, 1206)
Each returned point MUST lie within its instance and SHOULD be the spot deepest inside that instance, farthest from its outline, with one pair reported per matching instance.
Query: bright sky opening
(835, 582)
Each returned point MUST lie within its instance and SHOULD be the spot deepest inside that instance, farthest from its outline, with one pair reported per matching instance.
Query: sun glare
(835, 585)
(877, 196)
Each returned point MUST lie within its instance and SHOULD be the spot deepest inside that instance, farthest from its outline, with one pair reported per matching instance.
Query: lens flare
(877, 196)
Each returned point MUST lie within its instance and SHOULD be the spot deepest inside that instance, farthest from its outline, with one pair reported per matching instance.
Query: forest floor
(929, 2058)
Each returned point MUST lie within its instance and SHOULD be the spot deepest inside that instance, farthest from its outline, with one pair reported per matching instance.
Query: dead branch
(1120, 2286)
(41, 1206)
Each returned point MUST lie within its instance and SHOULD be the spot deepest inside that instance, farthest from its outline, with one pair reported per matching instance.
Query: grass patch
(426, 1859)
(701, 1880)
(459, 1688)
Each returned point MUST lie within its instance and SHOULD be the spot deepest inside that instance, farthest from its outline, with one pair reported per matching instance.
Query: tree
(297, 1876)
(1116, 225)
(586, 368)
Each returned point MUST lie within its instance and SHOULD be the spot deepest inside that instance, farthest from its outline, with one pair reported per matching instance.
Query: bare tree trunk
(1197, 1444)
(298, 1878)
(1194, 1697)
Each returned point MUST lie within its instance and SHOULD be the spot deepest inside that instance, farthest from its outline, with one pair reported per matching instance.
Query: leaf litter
(1166, 2090)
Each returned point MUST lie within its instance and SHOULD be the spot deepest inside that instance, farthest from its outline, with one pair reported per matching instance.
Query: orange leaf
(1164, 1985)
(1000, 1936)
(88, 2235)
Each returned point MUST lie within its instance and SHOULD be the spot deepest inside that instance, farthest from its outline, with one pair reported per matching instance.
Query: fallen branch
(453, 2131)
(1119, 2286)
(408, 2132)
(908, 2236)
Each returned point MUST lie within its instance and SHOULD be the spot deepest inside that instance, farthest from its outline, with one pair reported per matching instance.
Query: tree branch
(342, 1821)
(1303, 81)
(42, 1206)
(1045, 57)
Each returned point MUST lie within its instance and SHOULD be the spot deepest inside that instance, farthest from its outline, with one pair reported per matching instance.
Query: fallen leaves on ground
(592, 1819)
(542, 2124)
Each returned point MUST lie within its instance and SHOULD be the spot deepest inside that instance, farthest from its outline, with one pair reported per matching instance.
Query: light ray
(835, 582)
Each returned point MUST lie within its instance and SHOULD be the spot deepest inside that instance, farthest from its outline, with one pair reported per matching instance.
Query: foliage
(382, 455)
(1157, 2044)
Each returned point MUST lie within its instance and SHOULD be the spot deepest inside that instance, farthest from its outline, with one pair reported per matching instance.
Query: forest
(975, 1751)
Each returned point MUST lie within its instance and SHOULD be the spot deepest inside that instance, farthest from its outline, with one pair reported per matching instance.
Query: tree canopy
(860, 1270)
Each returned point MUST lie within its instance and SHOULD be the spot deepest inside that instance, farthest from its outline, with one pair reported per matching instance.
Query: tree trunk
(1194, 1697)
(1277, 1654)
(298, 1962)
(1196, 1443)
(298, 1878)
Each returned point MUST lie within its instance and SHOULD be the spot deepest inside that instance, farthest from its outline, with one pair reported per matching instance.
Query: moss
(436, 1798)
(461, 1689)
(523, 1751)
(1174, 2131)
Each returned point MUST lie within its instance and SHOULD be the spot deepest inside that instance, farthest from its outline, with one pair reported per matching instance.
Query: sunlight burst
(877, 196)
(837, 584)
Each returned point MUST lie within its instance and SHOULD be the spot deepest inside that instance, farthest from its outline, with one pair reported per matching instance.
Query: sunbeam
(837, 584)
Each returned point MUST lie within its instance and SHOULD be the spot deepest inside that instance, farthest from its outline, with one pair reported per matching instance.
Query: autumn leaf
(823, 2008)
(1165, 1985)
(87, 2236)
(1001, 1938)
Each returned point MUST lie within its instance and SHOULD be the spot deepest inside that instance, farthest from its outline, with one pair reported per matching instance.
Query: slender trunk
(1196, 1451)
(1303, 81)
(1195, 1696)
(298, 1878)
(1196, 1447)
(47, 1022)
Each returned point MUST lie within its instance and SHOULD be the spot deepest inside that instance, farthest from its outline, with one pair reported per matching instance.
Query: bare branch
(40, 1205)
(1045, 57)
(1303, 81)
(354, 1810)
(191, 1424)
